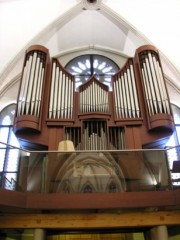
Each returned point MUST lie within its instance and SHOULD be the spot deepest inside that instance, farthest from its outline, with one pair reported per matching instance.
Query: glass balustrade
(88, 171)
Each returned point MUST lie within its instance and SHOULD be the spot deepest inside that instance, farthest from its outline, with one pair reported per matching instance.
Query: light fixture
(91, 4)
(91, 1)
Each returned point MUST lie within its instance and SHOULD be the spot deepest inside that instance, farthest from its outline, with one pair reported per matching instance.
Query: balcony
(88, 179)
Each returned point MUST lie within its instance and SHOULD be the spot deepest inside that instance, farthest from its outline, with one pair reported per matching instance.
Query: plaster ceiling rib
(117, 19)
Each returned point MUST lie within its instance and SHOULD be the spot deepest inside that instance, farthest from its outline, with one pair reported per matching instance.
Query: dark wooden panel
(59, 201)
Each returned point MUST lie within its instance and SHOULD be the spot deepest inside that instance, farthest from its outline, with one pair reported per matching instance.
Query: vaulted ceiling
(69, 27)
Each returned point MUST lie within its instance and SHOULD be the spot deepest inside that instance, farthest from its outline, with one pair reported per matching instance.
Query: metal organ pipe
(125, 93)
(61, 93)
(59, 96)
(162, 84)
(71, 100)
(30, 89)
(40, 89)
(32, 82)
(26, 86)
(155, 91)
(151, 85)
(55, 93)
(74, 134)
(66, 98)
(115, 97)
(117, 138)
(34, 93)
(93, 98)
(87, 101)
(124, 98)
(95, 135)
(156, 87)
(21, 95)
(129, 110)
(120, 104)
(134, 91)
(148, 91)
(52, 90)
(131, 94)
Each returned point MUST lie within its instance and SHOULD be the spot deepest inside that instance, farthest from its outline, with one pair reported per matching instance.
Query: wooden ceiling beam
(90, 220)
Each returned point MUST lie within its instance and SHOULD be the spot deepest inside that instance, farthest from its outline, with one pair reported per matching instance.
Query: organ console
(135, 114)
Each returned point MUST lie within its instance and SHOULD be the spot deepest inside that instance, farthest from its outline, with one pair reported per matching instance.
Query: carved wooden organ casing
(135, 114)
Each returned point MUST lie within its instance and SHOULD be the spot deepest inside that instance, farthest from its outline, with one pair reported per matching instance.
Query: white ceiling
(63, 25)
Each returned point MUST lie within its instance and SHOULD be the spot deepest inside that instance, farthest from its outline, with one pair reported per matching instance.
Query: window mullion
(7, 149)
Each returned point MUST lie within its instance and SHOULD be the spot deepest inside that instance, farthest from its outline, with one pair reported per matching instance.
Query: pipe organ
(135, 114)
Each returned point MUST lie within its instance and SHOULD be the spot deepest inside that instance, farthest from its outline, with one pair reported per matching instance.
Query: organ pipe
(93, 97)
(125, 93)
(29, 100)
(61, 93)
(74, 134)
(92, 116)
(95, 135)
(154, 85)
(117, 138)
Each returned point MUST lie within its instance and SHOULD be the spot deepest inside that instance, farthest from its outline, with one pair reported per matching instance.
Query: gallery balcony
(88, 179)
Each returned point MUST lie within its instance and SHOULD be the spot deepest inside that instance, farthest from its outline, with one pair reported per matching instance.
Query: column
(159, 233)
(39, 234)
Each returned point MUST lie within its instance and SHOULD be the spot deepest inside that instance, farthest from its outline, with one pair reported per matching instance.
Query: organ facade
(135, 114)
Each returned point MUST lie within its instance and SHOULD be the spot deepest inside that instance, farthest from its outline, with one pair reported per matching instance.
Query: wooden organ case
(135, 114)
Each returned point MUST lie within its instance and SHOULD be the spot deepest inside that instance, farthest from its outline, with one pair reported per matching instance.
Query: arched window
(9, 156)
(174, 153)
(85, 66)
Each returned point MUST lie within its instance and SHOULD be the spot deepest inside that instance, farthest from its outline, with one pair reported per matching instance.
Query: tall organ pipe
(61, 93)
(35, 84)
(40, 91)
(134, 90)
(125, 93)
(31, 85)
(154, 84)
